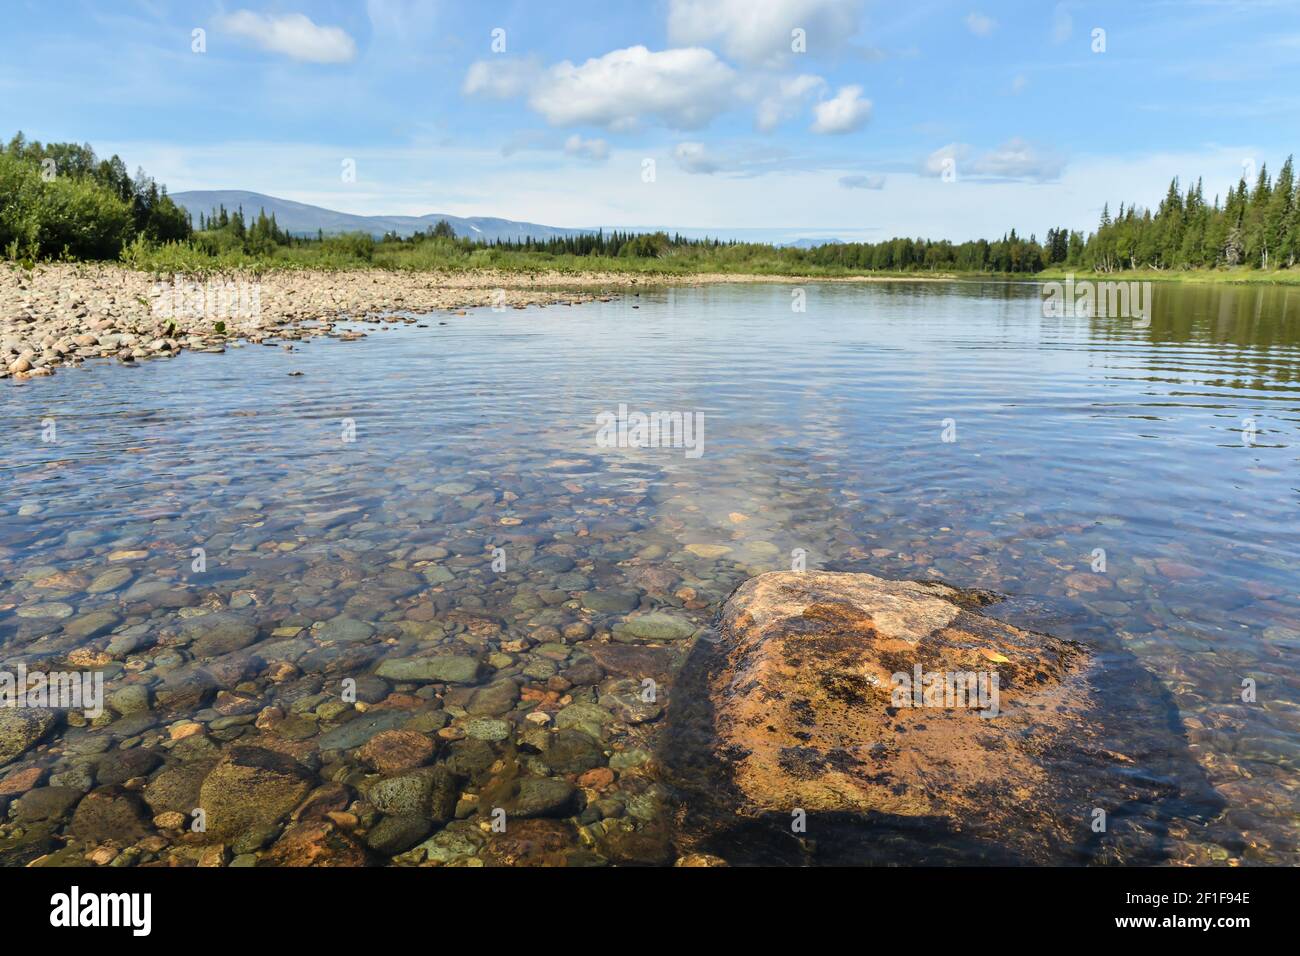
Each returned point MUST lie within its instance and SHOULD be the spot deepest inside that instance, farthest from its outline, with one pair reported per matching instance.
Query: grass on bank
(450, 256)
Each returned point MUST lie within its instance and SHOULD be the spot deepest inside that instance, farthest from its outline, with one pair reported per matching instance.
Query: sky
(780, 119)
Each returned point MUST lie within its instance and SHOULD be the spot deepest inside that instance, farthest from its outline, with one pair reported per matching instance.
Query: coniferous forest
(60, 201)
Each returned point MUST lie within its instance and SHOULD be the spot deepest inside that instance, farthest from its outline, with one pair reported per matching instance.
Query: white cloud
(1017, 159)
(503, 77)
(945, 157)
(844, 113)
(683, 89)
(696, 158)
(1019, 83)
(760, 32)
(594, 149)
(735, 160)
(293, 35)
(863, 181)
(979, 24)
(680, 88)
(1013, 160)
(784, 101)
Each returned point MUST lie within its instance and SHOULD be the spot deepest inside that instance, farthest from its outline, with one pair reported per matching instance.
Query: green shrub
(352, 245)
(20, 187)
(81, 219)
(62, 217)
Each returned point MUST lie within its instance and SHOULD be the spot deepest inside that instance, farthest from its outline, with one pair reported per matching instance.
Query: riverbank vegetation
(59, 201)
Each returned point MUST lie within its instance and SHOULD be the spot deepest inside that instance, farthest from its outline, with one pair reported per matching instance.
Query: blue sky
(846, 137)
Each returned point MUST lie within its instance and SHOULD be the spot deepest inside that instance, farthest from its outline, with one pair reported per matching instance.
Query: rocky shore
(61, 314)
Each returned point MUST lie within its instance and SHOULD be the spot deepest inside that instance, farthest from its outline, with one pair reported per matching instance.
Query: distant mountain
(302, 219)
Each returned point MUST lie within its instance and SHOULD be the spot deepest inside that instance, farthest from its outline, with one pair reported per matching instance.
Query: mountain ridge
(305, 219)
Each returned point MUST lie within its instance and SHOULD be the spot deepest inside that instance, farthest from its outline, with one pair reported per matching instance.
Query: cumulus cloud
(502, 77)
(683, 89)
(594, 149)
(863, 181)
(293, 35)
(680, 88)
(979, 24)
(1013, 160)
(784, 99)
(760, 32)
(945, 157)
(845, 112)
(696, 158)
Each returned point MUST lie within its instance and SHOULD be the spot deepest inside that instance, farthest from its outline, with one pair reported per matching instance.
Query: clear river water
(439, 487)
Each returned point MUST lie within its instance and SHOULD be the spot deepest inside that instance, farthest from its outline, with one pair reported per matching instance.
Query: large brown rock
(805, 708)
(808, 695)
(251, 789)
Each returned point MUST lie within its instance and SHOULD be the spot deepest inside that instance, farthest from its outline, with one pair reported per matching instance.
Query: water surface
(1167, 451)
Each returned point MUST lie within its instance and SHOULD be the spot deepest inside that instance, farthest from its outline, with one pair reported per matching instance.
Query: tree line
(1008, 254)
(61, 201)
(1257, 227)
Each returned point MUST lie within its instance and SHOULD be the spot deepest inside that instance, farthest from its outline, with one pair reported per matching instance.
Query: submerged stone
(91, 625)
(315, 843)
(344, 629)
(360, 729)
(430, 792)
(657, 626)
(21, 729)
(222, 632)
(397, 834)
(906, 726)
(394, 750)
(447, 668)
(611, 602)
(110, 814)
(251, 789)
(535, 797)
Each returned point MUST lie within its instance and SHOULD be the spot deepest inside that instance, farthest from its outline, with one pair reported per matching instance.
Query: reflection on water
(1166, 453)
